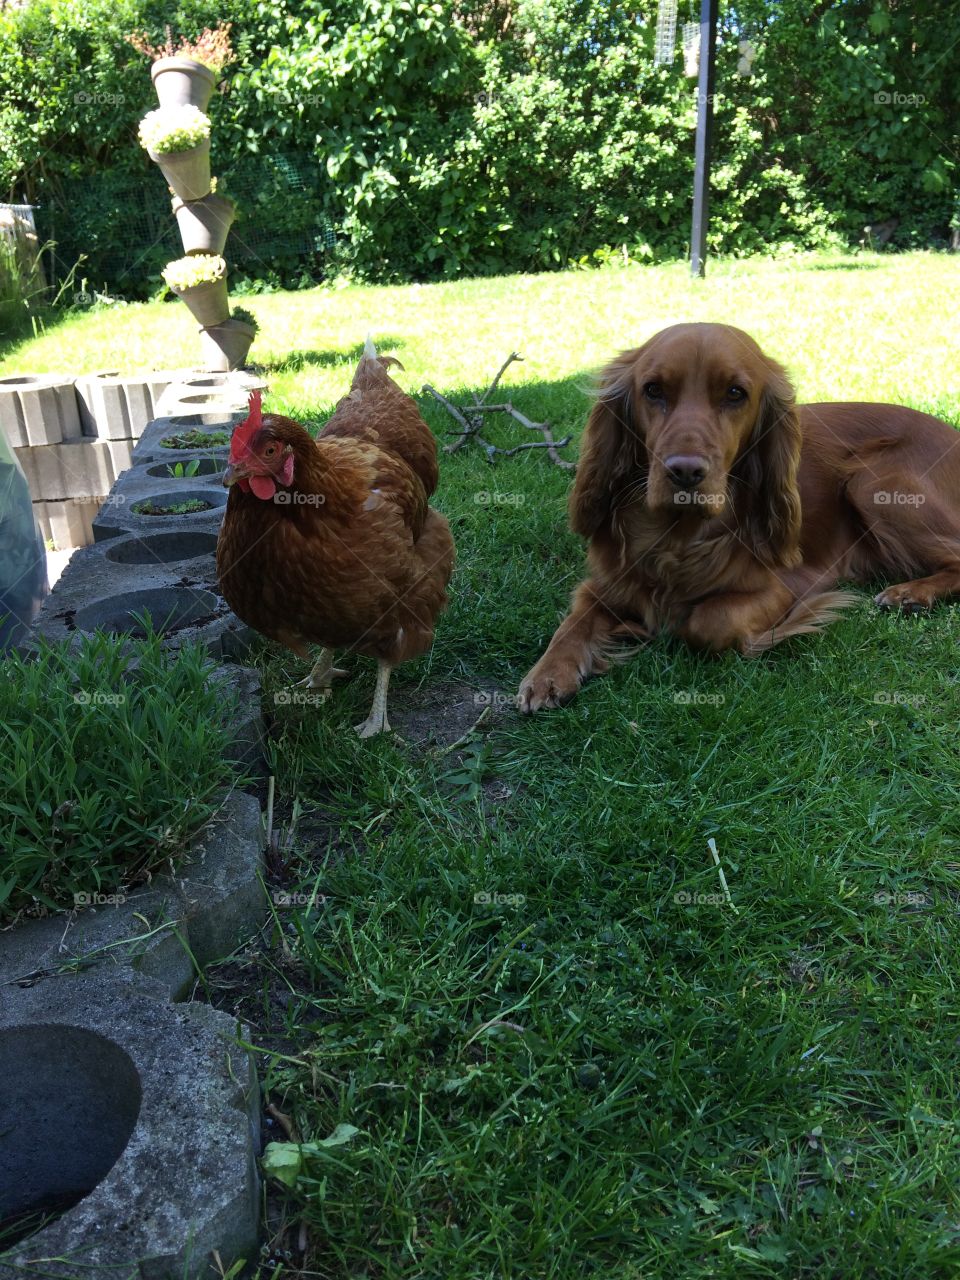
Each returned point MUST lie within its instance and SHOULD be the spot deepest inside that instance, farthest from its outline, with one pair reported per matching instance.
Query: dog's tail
(809, 614)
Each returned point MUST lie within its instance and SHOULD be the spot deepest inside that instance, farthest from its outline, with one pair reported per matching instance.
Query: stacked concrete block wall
(158, 564)
(74, 437)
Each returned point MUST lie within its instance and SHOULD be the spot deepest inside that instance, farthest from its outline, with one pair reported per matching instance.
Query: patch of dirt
(440, 715)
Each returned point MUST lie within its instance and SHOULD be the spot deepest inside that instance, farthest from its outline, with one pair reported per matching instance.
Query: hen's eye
(736, 394)
(270, 450)
(653, 391)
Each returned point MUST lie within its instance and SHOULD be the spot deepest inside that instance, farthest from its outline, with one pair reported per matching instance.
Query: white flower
(197, 268)
(173, 129)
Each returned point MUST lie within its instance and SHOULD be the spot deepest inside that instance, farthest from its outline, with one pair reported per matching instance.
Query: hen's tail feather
(369, 350)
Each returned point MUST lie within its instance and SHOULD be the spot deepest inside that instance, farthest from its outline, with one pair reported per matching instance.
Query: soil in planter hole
(196, 440)
(148, 508)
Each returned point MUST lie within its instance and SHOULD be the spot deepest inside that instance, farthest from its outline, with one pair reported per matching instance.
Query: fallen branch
(469, 419)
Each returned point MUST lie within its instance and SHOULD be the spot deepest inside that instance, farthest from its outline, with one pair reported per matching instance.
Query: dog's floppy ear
(612, 454)
(769, 470)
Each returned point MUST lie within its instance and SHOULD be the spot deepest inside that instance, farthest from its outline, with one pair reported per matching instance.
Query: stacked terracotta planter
(203, 217)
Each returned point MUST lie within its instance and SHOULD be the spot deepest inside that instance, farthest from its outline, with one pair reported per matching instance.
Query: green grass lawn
(613, 1073)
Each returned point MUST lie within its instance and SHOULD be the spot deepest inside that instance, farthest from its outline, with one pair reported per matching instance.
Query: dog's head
(694, 422)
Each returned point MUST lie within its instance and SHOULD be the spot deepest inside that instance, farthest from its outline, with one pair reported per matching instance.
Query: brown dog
(720, 511)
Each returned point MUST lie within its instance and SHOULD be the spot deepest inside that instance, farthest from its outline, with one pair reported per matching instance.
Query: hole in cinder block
(162, 506)
(162, 548)
(18, 382)
(169, 609)
(198, 419)
(206, 467)
(205, 398)
(69, 1100)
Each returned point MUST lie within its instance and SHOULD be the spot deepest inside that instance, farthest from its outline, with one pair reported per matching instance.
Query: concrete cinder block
(216, 901)
(121, 456)
(206, 392)
(220, 883)
(68, 523)
(116, 406)
(142, 1115)
(74, 468)
(71, 469)
(39, 409)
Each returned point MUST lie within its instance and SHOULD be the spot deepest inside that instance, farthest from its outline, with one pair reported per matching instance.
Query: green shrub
(439, 137)
(111, 755)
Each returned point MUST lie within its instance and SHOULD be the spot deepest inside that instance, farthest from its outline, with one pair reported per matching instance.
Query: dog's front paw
(911, 597)
(548, 684)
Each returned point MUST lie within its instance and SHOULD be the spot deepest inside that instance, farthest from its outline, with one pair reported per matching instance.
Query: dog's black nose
(686, 470)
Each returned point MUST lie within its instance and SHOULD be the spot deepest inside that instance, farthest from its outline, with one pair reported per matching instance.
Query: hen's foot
(377, 722)
(322, 673)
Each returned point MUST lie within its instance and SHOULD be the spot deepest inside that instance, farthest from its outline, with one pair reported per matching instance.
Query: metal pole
(701, 164)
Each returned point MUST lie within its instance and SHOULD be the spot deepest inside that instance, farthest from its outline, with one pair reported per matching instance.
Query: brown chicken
(332, 541)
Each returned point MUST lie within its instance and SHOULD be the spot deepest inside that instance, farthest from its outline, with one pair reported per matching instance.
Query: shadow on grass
(840, 266)
(15, 330)
(295, 361)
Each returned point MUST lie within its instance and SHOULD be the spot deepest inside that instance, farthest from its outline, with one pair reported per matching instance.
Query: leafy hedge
(448, 136)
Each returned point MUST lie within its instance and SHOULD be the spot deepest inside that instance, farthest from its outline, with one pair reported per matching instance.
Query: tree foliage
(450, 136)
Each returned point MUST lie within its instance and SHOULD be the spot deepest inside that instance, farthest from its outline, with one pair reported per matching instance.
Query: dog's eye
(735, 394)
(653, 391)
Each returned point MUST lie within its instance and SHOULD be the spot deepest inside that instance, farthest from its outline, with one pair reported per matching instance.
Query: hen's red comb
(243, 433)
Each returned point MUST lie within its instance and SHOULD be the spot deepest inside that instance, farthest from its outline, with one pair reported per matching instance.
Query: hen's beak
(235, 471)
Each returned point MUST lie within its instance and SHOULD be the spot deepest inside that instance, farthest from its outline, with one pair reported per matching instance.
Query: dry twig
(470, 420)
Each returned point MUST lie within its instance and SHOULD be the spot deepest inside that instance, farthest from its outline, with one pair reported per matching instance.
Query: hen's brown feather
(350, 555)
(378, 411)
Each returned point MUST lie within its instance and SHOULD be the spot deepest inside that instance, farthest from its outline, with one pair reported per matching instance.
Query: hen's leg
(322, 672)
(376, 721)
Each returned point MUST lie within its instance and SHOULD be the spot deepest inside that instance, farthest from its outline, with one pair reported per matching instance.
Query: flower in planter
(198, 268)
(211, 47)
(170, 129)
